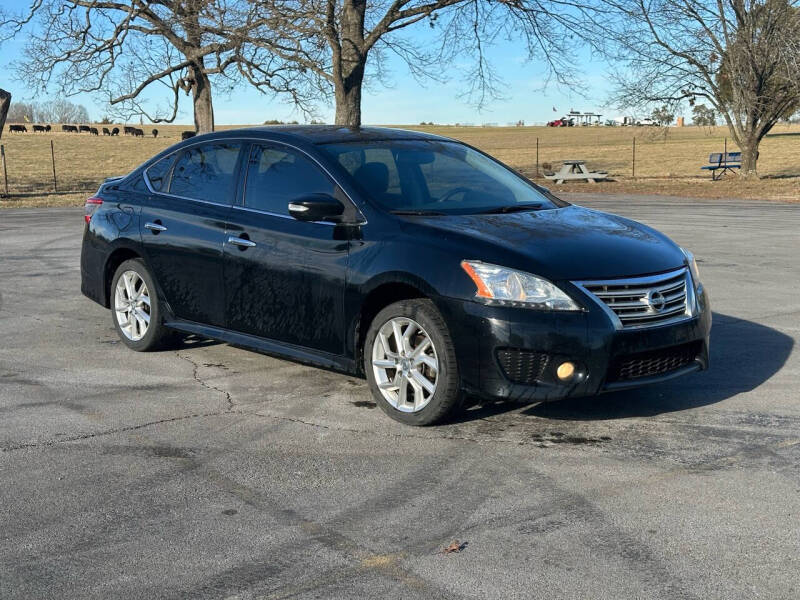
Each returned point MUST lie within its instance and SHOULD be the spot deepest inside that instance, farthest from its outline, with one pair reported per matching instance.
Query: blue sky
(405, 102)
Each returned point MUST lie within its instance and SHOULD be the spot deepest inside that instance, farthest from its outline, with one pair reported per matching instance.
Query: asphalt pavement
(208, 471)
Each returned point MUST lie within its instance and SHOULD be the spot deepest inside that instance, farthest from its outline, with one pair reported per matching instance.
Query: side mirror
(316, 207)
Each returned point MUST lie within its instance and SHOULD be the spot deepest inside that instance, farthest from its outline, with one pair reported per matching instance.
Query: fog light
(565, 370)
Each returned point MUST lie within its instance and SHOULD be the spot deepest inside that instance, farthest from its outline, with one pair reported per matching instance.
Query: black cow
(18, 128)
(106, 131)
(185, 135)
(128, 130)
(69, 128)
(85, 128)
(94, 131)
(115, 131)
(39, 129)
(138, 133)
(47, 128)
(155, 133)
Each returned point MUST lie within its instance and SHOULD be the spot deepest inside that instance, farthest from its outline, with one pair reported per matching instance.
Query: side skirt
(292, 352)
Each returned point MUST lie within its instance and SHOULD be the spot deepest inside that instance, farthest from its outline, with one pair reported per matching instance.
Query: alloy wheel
(405, 364)
(132, 305)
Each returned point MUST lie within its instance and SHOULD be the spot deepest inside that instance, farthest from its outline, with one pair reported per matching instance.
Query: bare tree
(51, 111)
(5, 103)
(19, 112)
(327, 44)
(60, 111)
(740, 56)
(120, 48)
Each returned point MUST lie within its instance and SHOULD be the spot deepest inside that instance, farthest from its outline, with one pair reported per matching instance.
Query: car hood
(567, 243)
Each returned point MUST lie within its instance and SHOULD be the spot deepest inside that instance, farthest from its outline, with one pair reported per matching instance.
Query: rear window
(206, 172)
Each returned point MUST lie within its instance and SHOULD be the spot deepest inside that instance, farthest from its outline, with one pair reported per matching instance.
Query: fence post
(5, 171)
(537, 157)
(53, 158)
(633, 164)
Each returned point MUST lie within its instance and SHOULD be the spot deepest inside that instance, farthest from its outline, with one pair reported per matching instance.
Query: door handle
(155, 227)
(241, 242)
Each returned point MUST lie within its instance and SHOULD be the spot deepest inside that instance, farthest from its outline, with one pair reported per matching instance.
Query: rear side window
(157, 174)
(206, 172)
(277, 175)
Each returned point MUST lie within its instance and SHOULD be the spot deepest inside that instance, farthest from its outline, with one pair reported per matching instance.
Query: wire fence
(58, 163)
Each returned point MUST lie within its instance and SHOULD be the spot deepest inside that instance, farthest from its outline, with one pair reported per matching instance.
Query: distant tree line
(50, 111)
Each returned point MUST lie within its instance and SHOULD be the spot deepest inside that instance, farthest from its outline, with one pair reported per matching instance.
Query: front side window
(435, 176)
(278, 175)
(206, 172)
(157, 173)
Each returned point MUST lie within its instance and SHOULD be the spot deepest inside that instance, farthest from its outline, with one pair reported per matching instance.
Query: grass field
(669, 166)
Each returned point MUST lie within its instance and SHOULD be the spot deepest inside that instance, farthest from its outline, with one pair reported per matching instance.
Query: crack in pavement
(86, 436)
(205, 384)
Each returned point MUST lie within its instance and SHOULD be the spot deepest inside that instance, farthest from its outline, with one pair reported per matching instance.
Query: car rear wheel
(410, 363)
(135, 308)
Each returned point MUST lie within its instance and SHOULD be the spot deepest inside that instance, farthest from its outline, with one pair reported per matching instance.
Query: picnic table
(575, 170)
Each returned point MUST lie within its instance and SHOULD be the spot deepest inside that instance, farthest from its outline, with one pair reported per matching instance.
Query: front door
(284, 278)
(183, 227)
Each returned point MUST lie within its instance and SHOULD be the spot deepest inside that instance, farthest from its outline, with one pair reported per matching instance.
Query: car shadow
(744, 355)
(190, 340)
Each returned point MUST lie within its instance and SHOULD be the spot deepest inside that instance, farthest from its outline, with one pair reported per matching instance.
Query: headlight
(500, 285)
(692, 266)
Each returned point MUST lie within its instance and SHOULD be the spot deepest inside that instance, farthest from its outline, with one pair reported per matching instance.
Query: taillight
(91, 205)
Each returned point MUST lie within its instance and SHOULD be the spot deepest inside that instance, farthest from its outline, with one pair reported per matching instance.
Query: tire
(134, 335)
(416, 320)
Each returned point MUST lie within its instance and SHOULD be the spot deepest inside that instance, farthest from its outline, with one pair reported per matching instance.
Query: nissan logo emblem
(656, 300)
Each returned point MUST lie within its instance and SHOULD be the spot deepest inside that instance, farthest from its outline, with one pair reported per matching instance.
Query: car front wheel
(410, 363)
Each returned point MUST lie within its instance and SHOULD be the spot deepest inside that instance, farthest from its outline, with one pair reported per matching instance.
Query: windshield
(436, 177)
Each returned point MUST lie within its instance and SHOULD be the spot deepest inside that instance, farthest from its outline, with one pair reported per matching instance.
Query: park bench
(575, 170)
(723, 162)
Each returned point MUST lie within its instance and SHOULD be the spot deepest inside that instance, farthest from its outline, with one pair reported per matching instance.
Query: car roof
(325, 134)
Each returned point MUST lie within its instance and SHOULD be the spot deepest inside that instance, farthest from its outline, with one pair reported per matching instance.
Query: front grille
(643, 301)
(653, 362)
(522, 366)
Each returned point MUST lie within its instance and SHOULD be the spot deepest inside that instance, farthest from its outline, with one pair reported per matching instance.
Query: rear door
(183, 227)
(284, 278)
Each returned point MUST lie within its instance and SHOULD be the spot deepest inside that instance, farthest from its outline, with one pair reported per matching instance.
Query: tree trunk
(201, 97)
(351, 59)
(348, 98)
(5, 104)
(749, 159)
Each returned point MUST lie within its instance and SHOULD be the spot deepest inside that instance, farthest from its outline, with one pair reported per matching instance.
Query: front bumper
(607, 359)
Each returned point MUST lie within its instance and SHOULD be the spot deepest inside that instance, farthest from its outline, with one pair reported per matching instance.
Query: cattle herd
(126, 130)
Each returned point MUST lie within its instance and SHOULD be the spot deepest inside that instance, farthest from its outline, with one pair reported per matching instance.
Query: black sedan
(415, 260)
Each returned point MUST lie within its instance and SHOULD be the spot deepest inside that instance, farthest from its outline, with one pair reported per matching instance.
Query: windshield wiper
(512, 208)
(417, 212)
